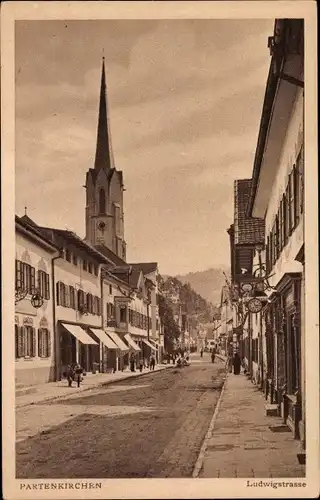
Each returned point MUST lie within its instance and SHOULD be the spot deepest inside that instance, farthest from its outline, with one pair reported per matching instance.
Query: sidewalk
(57, 390)
(244, 442)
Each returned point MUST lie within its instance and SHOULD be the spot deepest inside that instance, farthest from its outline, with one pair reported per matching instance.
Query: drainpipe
(55, 327)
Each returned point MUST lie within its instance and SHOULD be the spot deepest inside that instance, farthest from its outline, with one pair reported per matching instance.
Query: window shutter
(34, 343)
(18, 274)
(32, 280)
(58, 293)
(40, 343)
(47, 285)
(20, 342)
(48, 343)
(67, 296)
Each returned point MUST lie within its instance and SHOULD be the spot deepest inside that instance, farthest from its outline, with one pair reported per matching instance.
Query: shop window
(44, 346)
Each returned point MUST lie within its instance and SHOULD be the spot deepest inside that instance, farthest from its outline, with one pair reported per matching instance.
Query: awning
(117, 340)
(79, 333)
(105, 339)
(132, 343)
(149, 345)
(154, 342)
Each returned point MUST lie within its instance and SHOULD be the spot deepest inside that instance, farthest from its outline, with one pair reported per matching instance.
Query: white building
(277, 196)
(34, 327)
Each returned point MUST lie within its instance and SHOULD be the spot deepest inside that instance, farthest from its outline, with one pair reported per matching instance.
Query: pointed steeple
(104, 157)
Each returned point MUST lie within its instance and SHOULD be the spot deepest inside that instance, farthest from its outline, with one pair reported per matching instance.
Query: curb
(199, 463)
(99, 385)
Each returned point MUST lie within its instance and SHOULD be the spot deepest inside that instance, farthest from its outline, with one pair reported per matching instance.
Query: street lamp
(35, 299)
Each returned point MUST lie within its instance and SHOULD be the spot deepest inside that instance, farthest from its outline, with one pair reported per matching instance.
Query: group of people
(235, 363)
(74, 373)
(142, 363)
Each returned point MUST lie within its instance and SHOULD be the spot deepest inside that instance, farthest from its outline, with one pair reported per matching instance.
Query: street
(150, 426)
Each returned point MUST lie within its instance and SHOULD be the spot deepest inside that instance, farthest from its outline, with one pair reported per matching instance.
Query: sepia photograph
(160, 208)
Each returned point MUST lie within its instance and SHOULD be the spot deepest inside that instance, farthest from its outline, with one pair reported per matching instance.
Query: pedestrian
(141, 364)
(152, 362)
(213, 355)
(201, 353)
(132, 360)
(78, 374)
(70, 375)
(236, 364)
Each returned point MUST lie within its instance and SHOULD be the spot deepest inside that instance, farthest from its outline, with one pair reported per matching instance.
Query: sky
(185, 100)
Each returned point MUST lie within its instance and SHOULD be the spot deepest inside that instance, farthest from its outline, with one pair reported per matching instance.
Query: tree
(171, 329)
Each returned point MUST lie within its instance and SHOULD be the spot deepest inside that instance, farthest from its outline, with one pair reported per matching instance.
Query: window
(44, 345)
(74, 259)
(85, 264)
(130, 316)
(30, 342)
(72, 296)
(291, 204)
(80, 297)
(123, 314)
(28, 277)
(43, 285)
(110, 289)
(68, 255)
(95, 268)
(102, 201)
(90, 267)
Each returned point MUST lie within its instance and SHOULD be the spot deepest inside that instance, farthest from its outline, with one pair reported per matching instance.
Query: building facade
(34, 327)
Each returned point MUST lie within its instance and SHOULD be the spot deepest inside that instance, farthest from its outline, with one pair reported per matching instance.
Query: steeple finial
(103, 157)
(25, 210)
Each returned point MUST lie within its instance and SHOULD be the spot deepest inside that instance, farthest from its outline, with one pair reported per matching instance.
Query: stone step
(272, 410)
(25, 390)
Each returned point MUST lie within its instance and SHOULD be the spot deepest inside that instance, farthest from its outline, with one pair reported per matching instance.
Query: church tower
(104, 189)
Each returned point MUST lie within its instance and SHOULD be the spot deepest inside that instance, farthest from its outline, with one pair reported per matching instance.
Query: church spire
(103, 157)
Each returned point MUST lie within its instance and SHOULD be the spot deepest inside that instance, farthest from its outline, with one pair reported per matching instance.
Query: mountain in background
(207, 283)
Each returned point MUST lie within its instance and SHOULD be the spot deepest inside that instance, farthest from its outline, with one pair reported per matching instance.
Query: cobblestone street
(145, 427)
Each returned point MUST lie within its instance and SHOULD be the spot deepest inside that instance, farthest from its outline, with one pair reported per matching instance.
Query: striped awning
(132, 343)
(105, 339)
(148, 344)
(117, 340)
(79, 333)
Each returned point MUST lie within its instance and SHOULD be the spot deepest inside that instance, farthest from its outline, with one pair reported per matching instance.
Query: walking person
(132, 360)
(213, 355)
(70, 375)
(141, 364)
(152, 362)
(201, 353)
(78, 374)
(236, 364)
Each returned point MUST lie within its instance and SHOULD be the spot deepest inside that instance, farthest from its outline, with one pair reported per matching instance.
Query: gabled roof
(74, 239)
(146, 267)
(247, 230)
(33, 229)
